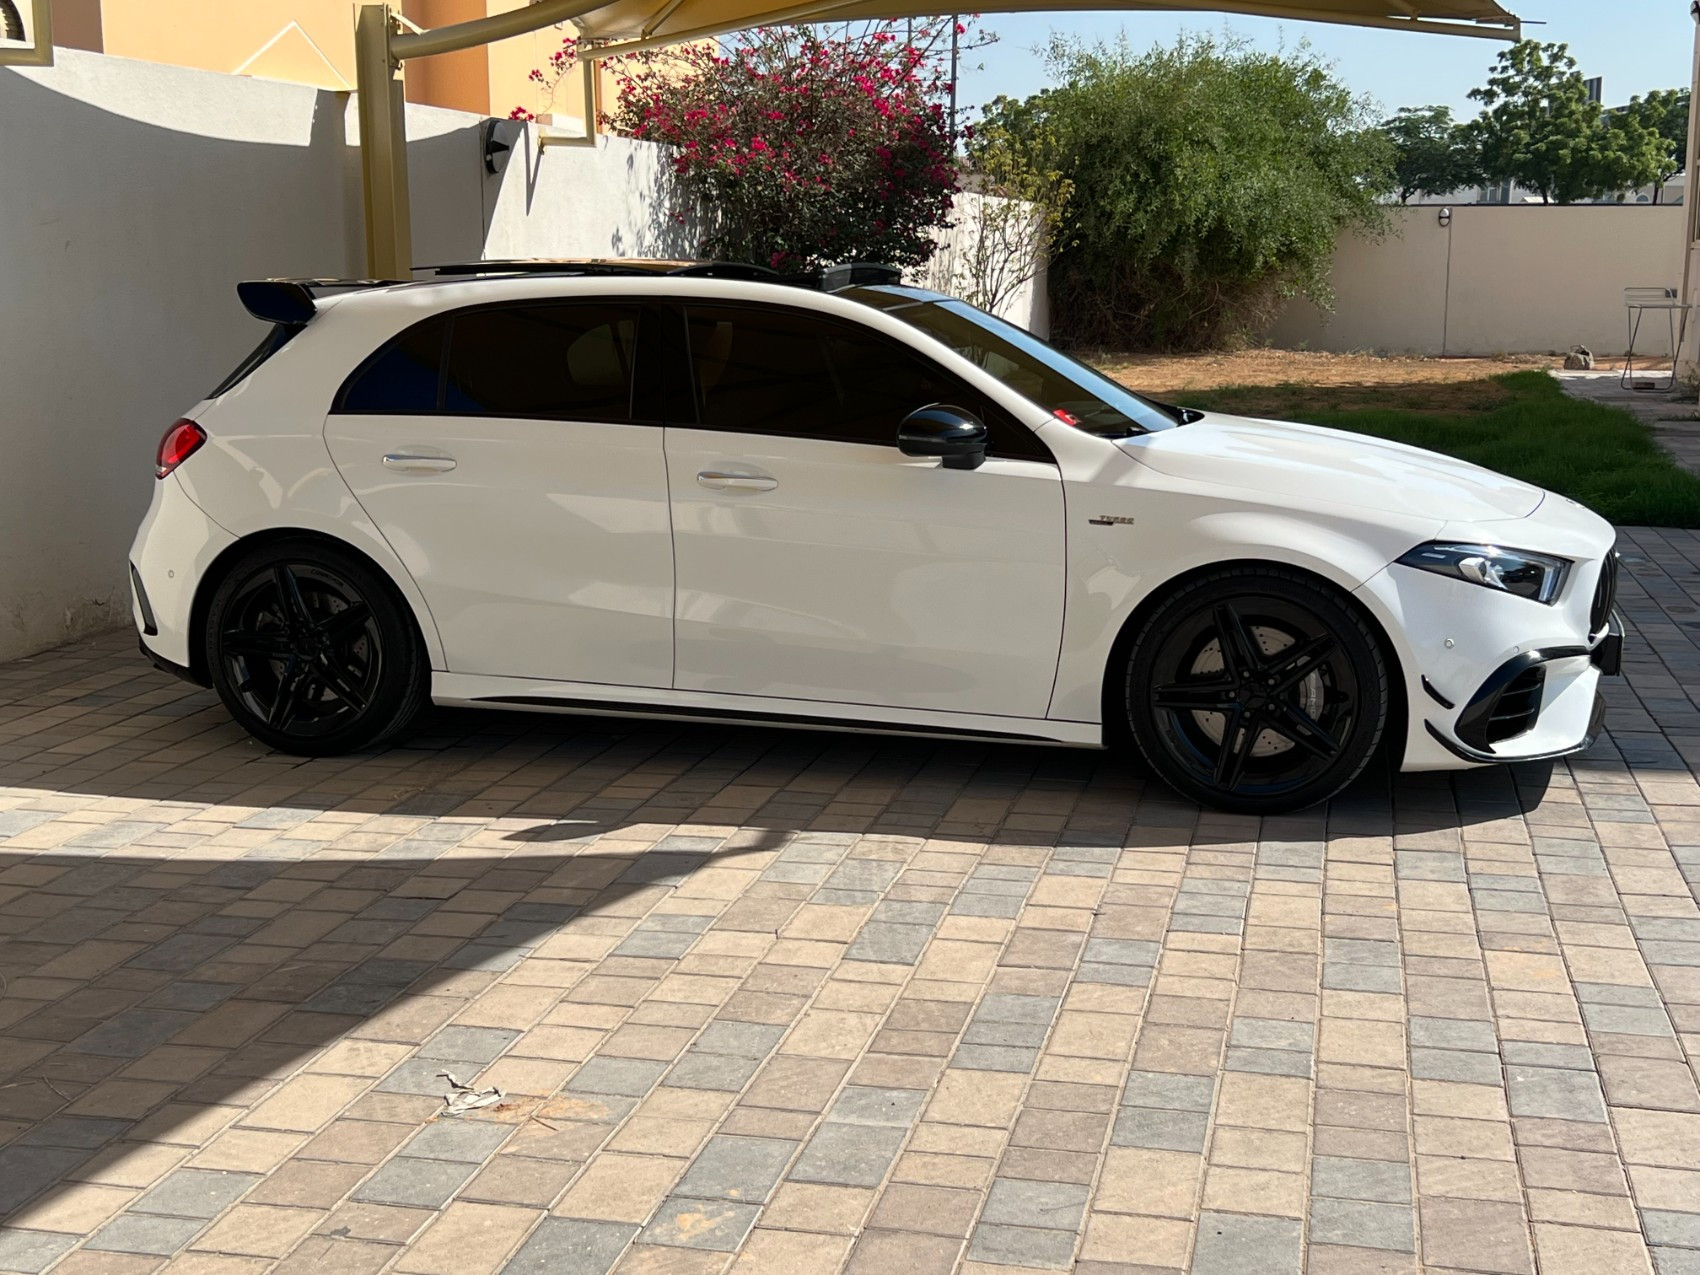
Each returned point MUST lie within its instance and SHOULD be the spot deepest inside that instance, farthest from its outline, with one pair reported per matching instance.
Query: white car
(698, 491)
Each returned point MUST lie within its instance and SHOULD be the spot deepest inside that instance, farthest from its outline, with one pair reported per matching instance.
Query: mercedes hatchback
(699, 491)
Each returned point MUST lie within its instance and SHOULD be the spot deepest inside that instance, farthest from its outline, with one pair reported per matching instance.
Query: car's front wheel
(312, 651)
(1256, 690)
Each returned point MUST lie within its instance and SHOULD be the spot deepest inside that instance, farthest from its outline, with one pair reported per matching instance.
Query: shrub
(793, 147)
(1210, 181)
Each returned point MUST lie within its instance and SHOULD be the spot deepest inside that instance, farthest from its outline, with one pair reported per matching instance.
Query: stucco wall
(1498, 280)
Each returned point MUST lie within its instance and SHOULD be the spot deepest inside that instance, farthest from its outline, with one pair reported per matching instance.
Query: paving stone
(863, 1105)
(727, 1073)
(468, 1044)
(142, 1233)
(198, 1193)
(1022, 1246)
(1554, 1092)
(1362, 1224)
(622, 1077)
(744, 1040)
(562, 1244)
(848, 1155)
(1178, 1093)
(732, 1168)
(471, 1141)
(32, 1251)
(417, 1183)
(1052, 1205)
(717, 1225)
(1161, 1130)
(1349, 1179)
(1236, 1244)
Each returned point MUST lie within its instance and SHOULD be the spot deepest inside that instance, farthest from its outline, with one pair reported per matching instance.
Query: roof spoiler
(293, 302)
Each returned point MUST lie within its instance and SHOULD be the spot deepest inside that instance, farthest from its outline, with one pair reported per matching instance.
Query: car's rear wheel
(1257, 690)
(312, 651)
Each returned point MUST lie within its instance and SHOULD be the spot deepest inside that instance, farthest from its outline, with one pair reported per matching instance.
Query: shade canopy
(661, 21)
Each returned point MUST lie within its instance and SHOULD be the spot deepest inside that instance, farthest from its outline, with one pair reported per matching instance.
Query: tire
(313, 651)
(1283, 714)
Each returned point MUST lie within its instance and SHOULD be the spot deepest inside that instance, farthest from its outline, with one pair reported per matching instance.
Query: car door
(817, 562)
(512, 456)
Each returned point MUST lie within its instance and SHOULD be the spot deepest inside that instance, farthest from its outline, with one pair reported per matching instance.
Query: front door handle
(419, 462)
(736, 482)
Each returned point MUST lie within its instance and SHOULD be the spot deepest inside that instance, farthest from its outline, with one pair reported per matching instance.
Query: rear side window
(571, 361)
(403, 378)
(274, 340)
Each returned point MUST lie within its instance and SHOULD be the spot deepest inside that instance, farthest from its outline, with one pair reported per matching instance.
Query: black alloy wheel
(1257, 690)
(311, 652)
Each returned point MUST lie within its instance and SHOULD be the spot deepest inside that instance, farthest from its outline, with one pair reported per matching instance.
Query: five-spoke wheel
(1256, 690)
(313, 652)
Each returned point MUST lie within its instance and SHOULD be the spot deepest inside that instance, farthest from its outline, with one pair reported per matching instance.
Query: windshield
(1065, 387)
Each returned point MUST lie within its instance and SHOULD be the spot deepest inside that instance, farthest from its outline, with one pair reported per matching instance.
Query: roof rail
(536, 266)
(294, 301)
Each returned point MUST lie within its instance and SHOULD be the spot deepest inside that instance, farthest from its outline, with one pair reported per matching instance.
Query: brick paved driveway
(766, 1001)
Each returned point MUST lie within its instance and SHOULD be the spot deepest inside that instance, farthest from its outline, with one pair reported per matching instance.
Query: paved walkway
(759, 1001)
(1673, 417)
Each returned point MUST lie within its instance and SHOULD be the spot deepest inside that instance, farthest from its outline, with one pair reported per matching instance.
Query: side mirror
(956, 435)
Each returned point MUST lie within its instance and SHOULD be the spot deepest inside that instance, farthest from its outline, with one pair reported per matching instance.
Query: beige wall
(1499, 280)
(311, 42)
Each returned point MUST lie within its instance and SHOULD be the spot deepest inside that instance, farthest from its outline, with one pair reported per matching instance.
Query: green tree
(1433, 153)
(1209, 181)
(1539, 129)
(1665, 113)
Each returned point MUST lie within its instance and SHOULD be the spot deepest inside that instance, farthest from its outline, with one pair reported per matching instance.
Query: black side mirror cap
(954, 434)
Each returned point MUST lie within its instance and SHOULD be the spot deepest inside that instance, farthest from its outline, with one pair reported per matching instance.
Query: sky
(1636, 45)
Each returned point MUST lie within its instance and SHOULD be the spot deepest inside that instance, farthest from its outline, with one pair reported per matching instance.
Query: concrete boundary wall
(1498, 280)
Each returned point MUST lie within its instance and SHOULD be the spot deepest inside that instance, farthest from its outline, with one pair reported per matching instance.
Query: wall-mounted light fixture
(496, 151)
(1446, 213)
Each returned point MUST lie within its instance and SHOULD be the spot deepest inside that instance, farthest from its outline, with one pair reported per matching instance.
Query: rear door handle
(736, 482)
(419, 462)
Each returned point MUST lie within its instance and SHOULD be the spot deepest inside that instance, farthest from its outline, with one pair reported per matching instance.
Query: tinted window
(401, 378)
(274, 340)
(782, 372)
(567, 361)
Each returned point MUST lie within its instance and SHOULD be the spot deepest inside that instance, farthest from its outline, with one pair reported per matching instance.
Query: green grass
(1521, 424)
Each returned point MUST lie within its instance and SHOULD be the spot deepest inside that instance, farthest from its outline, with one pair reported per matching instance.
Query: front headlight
(1537, 576)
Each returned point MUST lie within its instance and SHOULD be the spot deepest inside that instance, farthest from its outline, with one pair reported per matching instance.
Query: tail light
(181, 441)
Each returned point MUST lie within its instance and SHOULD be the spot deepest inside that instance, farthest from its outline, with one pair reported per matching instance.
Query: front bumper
(1493, 678)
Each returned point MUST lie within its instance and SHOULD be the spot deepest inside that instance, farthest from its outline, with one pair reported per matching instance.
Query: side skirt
(463, 690)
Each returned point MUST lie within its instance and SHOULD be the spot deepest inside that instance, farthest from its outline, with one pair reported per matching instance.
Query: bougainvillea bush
(792, 146)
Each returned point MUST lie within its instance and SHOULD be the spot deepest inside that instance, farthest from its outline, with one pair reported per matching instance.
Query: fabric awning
(658, 21)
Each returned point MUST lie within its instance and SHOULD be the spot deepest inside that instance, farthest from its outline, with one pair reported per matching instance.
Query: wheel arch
(220, 567)
(1115, 726)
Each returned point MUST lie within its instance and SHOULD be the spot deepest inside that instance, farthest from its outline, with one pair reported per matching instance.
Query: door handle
(736, 482)
(419, 463)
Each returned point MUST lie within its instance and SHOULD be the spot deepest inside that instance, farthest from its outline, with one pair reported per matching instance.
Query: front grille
(1605, 595)
(1518, 705)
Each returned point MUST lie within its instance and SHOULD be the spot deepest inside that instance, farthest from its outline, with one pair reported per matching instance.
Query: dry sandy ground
(1167, 374)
